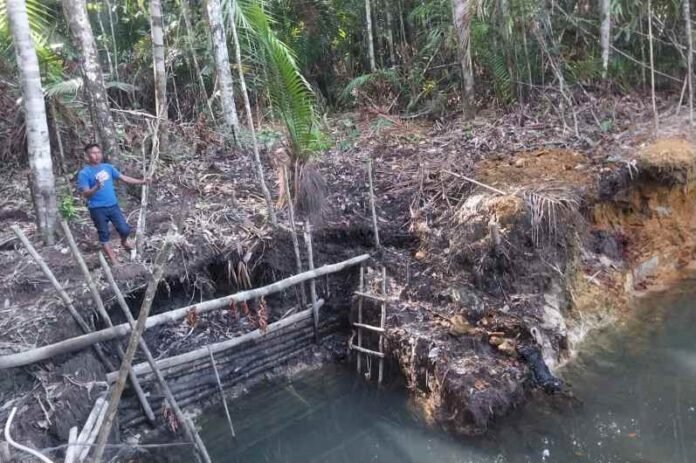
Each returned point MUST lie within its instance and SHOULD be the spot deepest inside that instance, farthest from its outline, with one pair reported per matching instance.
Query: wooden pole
(312, 282)
(652, 68)
(61, 292)
(686, 8)
(105, 316)
(148, 171)
(71, 451)
(112, 409)
(293, 233)
(190, 431)
(382, 324)
(80, 342)
(361, 288)
(222, 392)
(375, 226)
(18, 446)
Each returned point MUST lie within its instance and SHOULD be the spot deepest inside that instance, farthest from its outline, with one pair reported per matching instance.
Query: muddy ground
(490, 281)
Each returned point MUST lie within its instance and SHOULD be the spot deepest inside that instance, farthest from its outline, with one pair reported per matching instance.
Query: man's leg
(100, 217)
(122, 227)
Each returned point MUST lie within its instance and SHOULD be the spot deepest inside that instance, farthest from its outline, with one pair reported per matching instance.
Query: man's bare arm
(90, 191)
(133, 181)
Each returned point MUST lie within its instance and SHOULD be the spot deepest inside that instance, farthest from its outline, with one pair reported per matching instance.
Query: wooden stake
(190, 431)
(96, 297)
(71, 451)
(148, 171)
(293, 233)
(372, 203)
(361, 287)
(312, 282)
(689, 57)
(80, 342)
(222, 392)
(382, 324)
(61, 292)
(112, 409)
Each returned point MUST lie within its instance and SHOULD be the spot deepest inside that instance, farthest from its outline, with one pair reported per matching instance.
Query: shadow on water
(637, 383)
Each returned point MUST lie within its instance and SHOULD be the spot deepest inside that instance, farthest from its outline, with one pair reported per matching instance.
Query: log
(61, 292)
(80, 342)
(144, 368)
(376, 329)
(77, 255)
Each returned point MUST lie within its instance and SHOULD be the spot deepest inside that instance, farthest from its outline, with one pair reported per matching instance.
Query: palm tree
(75, 12)
(38, 143)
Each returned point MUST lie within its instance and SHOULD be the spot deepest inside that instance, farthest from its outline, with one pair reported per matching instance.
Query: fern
(493, 60)
(388, 76)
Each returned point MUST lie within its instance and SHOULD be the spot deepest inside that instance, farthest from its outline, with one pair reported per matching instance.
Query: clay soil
(475, 276)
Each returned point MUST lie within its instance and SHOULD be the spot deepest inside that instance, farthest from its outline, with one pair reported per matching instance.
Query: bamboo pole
(18, 446)
(191, 432)
(312, 282)
(188, 357)
(361, 287)
(71, 451)
(686, 8)
(88, 435)
(80, 342)
(61, 292)
(112, 409)
(293, 233)
(222, 392)
(375, 226)
(382, 324)
(77, 255)
(148, 172)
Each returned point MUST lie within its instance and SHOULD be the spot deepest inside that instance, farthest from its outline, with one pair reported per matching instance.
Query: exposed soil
(478, 280)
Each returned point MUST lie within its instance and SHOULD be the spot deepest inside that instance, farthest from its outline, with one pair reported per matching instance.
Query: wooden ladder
(360, 326)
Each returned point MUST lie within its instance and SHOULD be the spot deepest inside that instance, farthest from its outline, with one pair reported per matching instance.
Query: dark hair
(91, 145)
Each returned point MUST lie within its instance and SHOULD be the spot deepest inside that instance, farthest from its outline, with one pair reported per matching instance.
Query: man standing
(96, 183)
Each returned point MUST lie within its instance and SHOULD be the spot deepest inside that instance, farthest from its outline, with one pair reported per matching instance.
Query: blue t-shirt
(106, 195)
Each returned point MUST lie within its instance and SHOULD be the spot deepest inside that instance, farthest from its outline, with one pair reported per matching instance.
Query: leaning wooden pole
(137, 332)
(382, 324)
(61, 292)
(293, 233)
(652, 68)
(189, 430)
(222, 392)
(312, 282)
(361, 288)
(80, 342)
(96, 297)
(375, 226)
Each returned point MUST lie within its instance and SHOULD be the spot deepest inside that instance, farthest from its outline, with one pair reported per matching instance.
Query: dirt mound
(669, 159)
(547, 166)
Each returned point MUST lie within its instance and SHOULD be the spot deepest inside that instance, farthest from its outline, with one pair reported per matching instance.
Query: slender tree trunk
(689, 57)
(38, 142)
(196, 67)
(75, 12)
(222, 64)
(370, 38)
(461, 14)
(158, 59)
(605, 35)
(250, 121)
(652, 67)
(390, 32)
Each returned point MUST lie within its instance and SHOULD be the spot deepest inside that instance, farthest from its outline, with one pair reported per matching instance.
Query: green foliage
(486, 47)
(66, 206)
(371, 82)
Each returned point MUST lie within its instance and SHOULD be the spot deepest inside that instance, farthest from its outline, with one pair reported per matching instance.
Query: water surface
(637, 384)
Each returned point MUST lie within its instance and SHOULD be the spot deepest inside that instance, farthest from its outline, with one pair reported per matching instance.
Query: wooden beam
(376, 329)
(80, 342)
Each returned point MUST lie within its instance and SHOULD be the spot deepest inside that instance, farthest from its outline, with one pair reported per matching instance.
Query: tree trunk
(461, 14)
(75, 12)
(38, 142)
(158, 59)
(689, 57)
(370, 38)
(222, 64)
(605, 35)
(652, 68)
(390, 33)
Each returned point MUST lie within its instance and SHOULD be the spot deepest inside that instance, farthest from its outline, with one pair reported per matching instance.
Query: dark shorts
(101, 216)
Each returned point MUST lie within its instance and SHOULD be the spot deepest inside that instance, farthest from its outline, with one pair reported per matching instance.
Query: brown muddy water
(636, 383)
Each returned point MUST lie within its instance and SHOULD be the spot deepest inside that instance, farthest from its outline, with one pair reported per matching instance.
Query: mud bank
(545, 252)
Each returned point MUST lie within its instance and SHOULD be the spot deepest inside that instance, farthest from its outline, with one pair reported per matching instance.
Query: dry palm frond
(548, 205)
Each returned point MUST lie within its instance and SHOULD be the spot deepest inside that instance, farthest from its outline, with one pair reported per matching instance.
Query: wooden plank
(376, 329)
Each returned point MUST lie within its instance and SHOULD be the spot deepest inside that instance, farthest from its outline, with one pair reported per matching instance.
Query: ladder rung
(376, 329)
(371, 296)
(367, 351)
